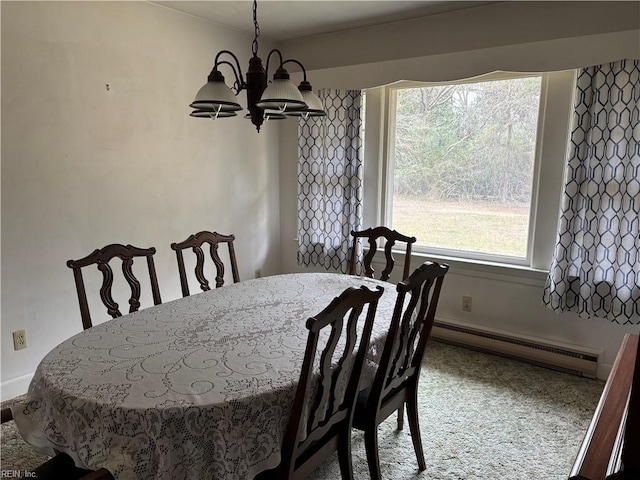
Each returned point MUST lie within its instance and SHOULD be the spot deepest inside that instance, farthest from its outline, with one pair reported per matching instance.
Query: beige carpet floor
(482, 417)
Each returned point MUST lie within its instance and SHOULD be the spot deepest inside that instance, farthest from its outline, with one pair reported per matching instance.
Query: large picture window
(462, 166)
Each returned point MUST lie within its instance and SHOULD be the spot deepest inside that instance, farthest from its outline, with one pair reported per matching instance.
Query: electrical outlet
(19, 339)
(258, 273)
(466, 303)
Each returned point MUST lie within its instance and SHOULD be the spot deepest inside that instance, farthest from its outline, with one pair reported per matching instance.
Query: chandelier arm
(238, 73)
(236, 85)
(275, 50)
(293, 60)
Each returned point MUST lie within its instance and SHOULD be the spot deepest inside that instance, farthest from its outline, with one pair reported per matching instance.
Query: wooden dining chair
(373, 235)
(101, 257)
(62, 467)
(322, 412)
(396, 381)
(195, 242)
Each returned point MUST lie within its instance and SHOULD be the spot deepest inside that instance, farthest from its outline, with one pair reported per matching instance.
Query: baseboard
(15, 387)
(540, 351)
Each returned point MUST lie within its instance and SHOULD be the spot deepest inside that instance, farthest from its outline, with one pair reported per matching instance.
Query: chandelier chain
(254, 45)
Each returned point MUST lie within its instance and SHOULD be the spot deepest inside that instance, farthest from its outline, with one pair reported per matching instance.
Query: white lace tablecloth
(197, 388)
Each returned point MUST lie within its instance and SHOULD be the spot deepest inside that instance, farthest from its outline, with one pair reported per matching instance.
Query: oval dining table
(196, 388)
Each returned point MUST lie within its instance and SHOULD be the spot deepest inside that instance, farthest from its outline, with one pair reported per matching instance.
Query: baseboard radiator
(570, 359)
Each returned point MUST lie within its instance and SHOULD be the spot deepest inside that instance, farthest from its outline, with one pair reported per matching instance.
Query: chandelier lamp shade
(274, 101)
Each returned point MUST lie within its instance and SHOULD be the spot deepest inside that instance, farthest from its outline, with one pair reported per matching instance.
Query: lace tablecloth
(197, 388)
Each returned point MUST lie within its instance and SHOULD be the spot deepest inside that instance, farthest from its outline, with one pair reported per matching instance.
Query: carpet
(482, 417)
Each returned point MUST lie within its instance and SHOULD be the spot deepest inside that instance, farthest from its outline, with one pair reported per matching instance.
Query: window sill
(503, 272)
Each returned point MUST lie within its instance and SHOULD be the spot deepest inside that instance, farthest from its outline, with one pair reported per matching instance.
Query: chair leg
(414, 427)
(344, 456)
(7, 415)
(102, 474)
(401, 417)
(371, 446)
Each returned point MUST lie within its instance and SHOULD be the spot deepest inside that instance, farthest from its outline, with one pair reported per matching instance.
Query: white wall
(512, 36)
(85, 165)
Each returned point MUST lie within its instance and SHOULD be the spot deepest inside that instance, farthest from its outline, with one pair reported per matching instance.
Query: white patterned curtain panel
(330, 181)
(596, 267)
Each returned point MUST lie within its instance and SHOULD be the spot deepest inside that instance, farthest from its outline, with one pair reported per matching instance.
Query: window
(461, 166)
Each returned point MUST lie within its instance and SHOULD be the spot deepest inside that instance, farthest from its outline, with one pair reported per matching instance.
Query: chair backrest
(391, 237)
(101, 257)
(408, 335)
(195, 243)
(325, 397)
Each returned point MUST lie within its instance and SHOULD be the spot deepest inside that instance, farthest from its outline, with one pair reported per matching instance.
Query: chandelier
(278, 100)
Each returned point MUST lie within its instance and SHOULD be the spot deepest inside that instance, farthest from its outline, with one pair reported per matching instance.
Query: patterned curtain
(596, 265)
(330, 181)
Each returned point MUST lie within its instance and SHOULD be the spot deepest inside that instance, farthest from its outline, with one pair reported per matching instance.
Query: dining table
(200, 387)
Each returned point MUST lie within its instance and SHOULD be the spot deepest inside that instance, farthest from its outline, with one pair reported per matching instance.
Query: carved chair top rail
(103, 255)
(196, 240)
(385, 232)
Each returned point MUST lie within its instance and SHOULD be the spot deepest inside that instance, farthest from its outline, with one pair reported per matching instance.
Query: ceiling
(284, 20)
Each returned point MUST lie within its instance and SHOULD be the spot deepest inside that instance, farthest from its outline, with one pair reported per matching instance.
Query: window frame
(387, 163)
